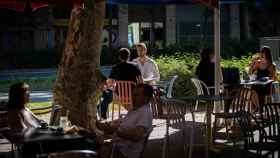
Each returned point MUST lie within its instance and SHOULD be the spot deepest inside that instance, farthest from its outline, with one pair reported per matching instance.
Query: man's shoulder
(150, 60)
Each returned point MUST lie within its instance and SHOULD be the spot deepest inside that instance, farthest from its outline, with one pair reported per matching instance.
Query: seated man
(147, 66)
(123, 71)
(129, 133)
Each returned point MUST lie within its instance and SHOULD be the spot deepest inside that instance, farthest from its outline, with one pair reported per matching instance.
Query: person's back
(125, 71)
(205, 72)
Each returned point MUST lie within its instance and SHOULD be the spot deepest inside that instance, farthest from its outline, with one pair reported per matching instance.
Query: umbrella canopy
(21, 5)
(210, 3)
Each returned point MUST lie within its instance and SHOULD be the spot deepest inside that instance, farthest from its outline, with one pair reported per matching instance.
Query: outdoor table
(255, 82)
(209, 99)
(47, 140)
(259, 86)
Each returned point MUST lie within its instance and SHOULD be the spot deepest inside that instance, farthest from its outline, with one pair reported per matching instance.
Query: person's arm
(107, 127)
(132, 134)
(15, 121)
(156, 72)
(272, 72)
(140, 79)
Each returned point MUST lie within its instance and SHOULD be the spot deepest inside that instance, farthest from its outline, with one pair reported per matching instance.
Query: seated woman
(263, 67)
(20, 117)
(205, 71)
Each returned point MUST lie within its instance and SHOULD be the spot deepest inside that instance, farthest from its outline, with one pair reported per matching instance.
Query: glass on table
(252, 77)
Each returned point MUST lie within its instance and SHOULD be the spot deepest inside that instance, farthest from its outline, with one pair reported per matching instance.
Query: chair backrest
(166, 86)
(249, 125)
(122, 96)
(74, 154)
(242, 100)
(270, 117)
(201, 87)
(170, 86)
(123, 92)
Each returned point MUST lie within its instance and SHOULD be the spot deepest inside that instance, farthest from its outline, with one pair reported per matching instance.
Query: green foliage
(35, 84)
(184, 67)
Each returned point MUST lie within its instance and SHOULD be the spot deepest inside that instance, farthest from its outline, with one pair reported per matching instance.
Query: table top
(255, 82)
(207, 97)
(30, 135)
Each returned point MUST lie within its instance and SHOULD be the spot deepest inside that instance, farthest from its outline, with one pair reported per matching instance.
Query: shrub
(183, 66)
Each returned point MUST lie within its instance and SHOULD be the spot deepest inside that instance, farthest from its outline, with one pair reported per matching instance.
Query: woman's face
(25, 95)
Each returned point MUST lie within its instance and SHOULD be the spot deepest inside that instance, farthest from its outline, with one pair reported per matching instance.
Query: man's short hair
(124, 54)
(148, 90)
(142, 45)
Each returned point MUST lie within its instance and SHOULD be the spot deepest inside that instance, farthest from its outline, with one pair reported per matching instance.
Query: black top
(125, 71)
(205, 72)
(262, 73)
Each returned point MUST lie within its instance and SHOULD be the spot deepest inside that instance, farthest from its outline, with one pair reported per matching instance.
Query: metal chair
(201, 89)
(241, 102)
(173, 112)
(122, 96)
(255, 136)
(146, 140)
(270, 120)
(167, 86)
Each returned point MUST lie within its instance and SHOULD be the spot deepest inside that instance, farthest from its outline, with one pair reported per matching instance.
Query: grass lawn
(38, 104)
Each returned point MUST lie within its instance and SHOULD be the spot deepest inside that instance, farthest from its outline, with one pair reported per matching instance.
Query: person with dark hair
(206, 68)
(20, 117)
(123, 71)
(263, 67)
(129, 132)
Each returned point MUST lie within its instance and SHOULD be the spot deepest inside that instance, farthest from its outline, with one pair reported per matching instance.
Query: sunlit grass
(38, 104)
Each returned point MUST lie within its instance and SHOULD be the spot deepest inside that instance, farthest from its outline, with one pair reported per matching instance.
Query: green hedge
(184, 64)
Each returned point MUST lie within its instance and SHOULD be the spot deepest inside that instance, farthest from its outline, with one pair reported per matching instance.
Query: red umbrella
(21, 5)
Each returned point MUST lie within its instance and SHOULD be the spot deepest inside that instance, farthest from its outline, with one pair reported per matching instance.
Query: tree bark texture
(78, 85)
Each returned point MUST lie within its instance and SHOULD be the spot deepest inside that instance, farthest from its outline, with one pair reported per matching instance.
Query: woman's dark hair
(205, 54)
(16, 93)
(124, 54)
(267, 53)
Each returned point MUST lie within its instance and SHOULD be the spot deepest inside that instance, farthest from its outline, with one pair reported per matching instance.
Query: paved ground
(155, 145)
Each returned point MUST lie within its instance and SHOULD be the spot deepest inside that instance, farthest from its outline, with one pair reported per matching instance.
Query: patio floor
(155, 144)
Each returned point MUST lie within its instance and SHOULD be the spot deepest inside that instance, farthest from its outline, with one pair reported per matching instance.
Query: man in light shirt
(129, 132)
(147, 66)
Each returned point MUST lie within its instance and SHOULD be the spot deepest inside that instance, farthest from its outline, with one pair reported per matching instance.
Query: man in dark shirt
(123, 71)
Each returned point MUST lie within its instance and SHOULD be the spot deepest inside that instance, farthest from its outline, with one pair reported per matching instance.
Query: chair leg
(184, 136)
(113, 107)
(191, 135)
(166, 141)
(214, 130)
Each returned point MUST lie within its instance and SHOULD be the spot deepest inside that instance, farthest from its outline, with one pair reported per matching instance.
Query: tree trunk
(78, 85)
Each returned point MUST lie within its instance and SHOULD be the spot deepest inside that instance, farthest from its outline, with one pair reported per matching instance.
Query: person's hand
(115, 124)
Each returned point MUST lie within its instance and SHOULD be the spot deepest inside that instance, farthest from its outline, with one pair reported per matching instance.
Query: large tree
(78, 85)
